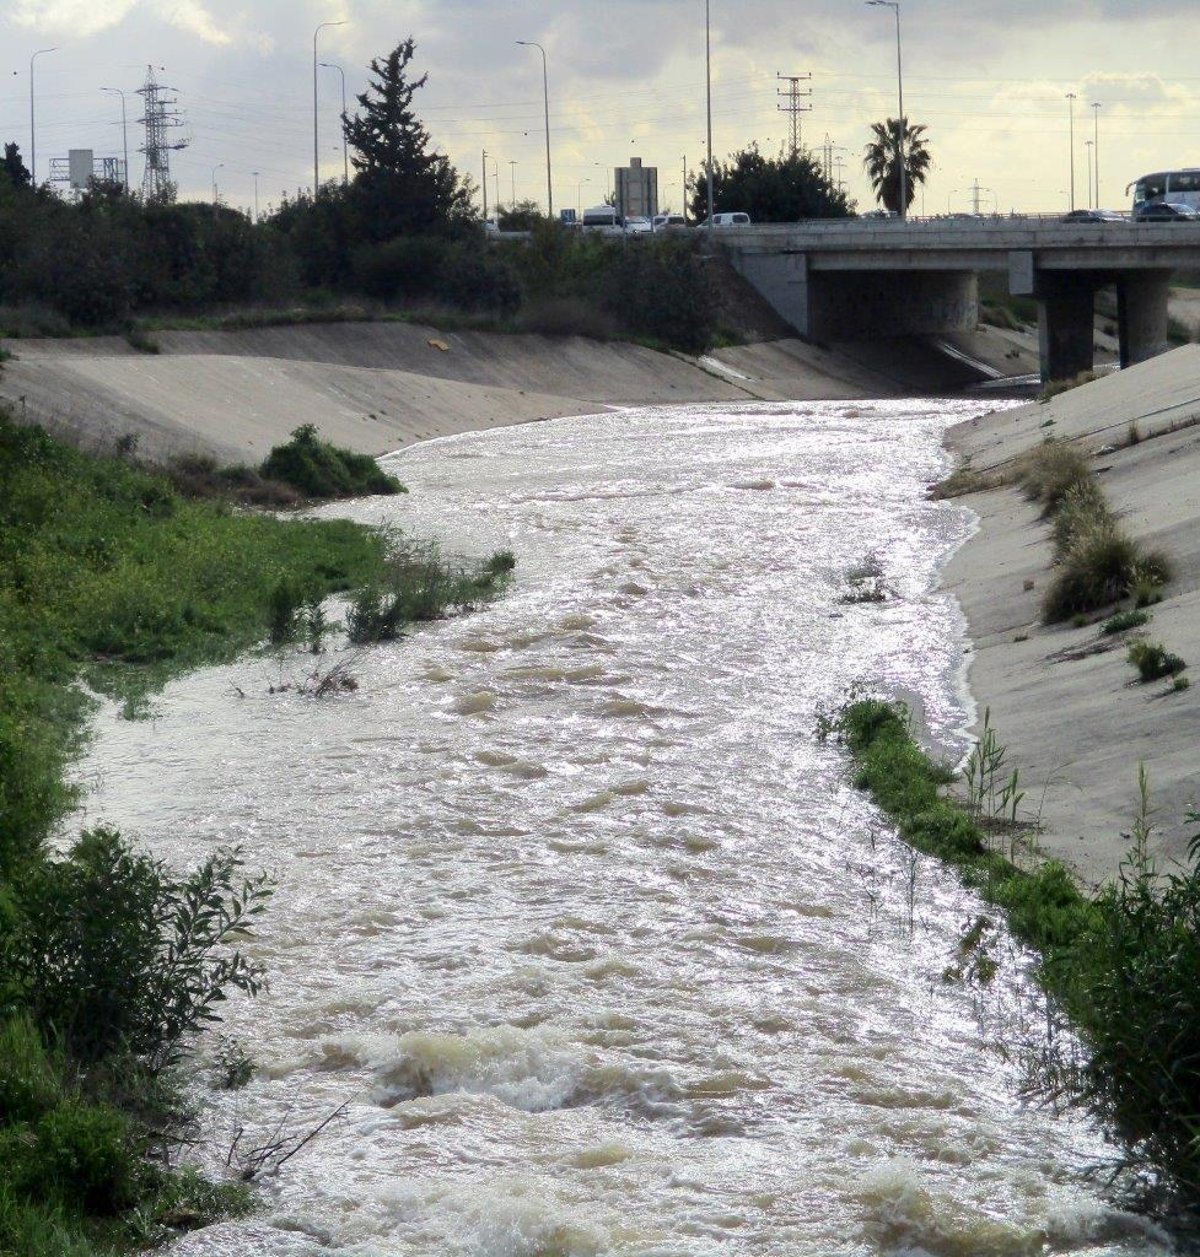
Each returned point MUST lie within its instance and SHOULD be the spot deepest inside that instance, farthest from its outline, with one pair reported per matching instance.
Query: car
(1092, 216)
(880, 213)
(635, 225)
(734, 218)
(1166, 212)
(667, 222)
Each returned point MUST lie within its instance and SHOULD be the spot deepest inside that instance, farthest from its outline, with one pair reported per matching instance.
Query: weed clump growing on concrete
(1154, 661)
(1123, 621)
(1050, 471)
(1096, 562)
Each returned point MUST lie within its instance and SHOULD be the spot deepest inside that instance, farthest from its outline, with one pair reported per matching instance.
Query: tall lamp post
(329, 65)
(895, 5)
(1071, 118)
(1096, 148)
(32, 128)
(316, 175)
(708, 102)
(1088, 145)
(255, 174)
(512, 174)
(529, 43)
(124, 132)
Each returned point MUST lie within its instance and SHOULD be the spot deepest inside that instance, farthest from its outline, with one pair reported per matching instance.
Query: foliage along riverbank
(110, 963)
(1123, 966)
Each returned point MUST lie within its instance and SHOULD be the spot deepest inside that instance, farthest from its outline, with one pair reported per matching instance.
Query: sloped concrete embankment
(1064, 699)
(376, 387)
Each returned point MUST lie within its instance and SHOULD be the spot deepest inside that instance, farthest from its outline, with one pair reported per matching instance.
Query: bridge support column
(1066, 308)
(1142, 315)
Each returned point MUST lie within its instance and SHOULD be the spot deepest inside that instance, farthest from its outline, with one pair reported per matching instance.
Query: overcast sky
(988, 80)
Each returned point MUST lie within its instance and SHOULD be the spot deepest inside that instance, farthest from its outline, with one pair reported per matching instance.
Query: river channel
(576, 916)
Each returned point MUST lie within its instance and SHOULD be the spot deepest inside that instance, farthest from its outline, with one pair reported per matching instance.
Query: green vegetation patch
(109, 962)
(1123, 966)
(321, 470)
(1097, 563)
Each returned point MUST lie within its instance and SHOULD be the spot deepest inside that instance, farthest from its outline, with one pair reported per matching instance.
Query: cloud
(80, 18)
(194, 18)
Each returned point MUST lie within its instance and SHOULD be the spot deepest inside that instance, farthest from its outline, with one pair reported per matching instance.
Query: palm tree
(881, 161)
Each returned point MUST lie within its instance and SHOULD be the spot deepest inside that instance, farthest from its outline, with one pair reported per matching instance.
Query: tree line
(402, 231)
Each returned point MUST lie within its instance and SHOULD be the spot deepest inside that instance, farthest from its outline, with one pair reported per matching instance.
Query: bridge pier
(1066, 312)
(1142, 315)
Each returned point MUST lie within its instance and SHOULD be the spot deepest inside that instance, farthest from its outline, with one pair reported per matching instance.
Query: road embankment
(1063, 698)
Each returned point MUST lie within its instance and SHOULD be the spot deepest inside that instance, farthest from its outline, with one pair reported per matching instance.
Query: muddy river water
(576, 916)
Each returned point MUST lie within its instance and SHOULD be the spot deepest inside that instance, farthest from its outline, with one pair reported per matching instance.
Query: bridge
(863, 279)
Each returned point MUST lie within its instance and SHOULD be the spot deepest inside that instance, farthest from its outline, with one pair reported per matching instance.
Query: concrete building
(637, 189)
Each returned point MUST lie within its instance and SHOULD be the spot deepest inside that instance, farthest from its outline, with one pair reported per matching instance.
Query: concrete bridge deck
(852, 279)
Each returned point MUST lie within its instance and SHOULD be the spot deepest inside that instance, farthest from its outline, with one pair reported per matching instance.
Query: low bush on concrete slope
(1097, 564)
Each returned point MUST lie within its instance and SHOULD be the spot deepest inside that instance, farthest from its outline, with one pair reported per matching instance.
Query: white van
(604, 219)
(667, 222)
(735, 219)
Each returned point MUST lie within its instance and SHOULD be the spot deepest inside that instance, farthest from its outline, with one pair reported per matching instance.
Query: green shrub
(1123, 621)
(1154, 661)
(81, 1156)
(144, 966)
(1081, 512)
(1099, 572)
(1049, 471)
(321, 470)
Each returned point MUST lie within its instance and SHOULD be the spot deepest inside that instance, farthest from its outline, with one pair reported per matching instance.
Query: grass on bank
(1123, 965)
(108, 963)
(1096, 563)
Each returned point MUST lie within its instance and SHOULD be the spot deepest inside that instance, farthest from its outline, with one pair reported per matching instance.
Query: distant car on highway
(1093, 216)
(635, 225)
(1166, 212)
(668, 222)
(734, 219)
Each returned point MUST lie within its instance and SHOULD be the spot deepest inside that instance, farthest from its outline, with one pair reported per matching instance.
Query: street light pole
(529, 43)
(32, 128)
(330, 65)
(708, 99)
(316, 175)
(124, 132)
(1071, 116)
(512, 174)
(1088, 145)
(255, 173)
(483, 185)
(895, 5)
(1096, 148)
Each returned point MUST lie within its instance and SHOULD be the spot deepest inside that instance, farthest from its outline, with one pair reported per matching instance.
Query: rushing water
(578, 918)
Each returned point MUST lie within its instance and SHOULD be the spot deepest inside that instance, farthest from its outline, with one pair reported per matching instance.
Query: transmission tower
(793, 95)
(161, 118)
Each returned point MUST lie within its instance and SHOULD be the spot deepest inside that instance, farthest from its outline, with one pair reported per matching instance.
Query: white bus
(1179, 186)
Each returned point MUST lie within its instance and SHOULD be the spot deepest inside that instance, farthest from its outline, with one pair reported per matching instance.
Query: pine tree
(402, 187)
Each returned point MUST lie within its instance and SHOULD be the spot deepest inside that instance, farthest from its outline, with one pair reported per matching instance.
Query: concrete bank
(1064, 699)
(376, 387)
